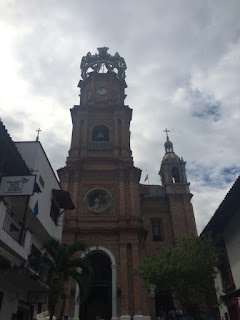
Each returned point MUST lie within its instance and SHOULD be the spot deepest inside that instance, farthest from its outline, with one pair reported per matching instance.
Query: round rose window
(98, 200)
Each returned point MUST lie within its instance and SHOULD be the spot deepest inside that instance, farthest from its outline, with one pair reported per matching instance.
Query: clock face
(98, 200)
(101, 91)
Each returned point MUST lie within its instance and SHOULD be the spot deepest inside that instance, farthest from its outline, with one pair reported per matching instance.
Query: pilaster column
(124, 145)
(137, 282)
(121, 194)
(114, 292)
(115, 140)
(133, 195)
(75, 137)
(84, 138)
(124, 280)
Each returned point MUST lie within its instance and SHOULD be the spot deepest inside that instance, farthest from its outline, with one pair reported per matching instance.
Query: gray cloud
(183, 74)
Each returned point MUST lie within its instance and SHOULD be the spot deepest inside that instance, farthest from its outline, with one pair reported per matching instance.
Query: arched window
(157, 230)
(175, 175)
(100, 133)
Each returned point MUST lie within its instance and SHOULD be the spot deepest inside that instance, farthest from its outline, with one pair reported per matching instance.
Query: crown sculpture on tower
(96, 61)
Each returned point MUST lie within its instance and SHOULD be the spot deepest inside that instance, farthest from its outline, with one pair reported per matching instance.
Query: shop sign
(17, 185)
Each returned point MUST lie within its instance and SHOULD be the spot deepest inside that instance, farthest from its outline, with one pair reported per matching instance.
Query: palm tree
(63, 265)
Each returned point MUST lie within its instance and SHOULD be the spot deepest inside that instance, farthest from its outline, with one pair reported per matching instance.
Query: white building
(26, 223)
(225, 228)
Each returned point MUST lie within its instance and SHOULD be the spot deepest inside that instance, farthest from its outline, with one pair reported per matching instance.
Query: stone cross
(166, 130)
(38, 131)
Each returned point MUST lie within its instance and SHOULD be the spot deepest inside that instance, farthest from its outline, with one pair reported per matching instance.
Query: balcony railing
(14, 227)
(99, 145)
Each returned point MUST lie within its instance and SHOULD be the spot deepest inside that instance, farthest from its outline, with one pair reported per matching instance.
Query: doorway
(163, 303)
(98, 304)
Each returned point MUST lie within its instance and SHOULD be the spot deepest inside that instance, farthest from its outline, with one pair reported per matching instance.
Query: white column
(77, 303)
(114, 292)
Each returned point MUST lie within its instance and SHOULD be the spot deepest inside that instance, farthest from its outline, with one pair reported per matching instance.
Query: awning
(63, 199)
(231, 295)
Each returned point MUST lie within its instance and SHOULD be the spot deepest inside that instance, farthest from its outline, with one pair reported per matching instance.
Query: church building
(121, 220)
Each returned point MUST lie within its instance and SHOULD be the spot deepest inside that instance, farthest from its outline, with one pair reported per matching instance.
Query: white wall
(37, 161)
(232, 241)
(219, 292)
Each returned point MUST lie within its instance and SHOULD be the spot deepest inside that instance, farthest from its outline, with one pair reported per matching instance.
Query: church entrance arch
(101, 301)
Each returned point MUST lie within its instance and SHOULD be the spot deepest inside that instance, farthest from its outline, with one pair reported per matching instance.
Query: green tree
(186, 270)
(63, 265)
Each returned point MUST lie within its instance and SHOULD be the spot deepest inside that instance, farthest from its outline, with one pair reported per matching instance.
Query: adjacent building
(31, 211)
(122, 220)
(224, 226)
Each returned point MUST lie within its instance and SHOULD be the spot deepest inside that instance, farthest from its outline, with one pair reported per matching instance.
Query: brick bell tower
(174, 181)
(103, 184)
(121, 220)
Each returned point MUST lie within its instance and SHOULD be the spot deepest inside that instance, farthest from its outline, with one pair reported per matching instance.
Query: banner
(17, 185)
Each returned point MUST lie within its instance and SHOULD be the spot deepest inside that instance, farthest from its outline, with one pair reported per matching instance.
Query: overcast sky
(183, 60)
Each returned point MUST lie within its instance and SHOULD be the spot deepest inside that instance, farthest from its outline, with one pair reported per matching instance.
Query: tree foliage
(62, 265)
(186, 270)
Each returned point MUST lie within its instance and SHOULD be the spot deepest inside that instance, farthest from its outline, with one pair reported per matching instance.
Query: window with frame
(157, 230)
(55, 212)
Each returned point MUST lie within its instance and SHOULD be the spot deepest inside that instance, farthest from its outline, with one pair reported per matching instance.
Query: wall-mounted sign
(35, 297)
(17, 185)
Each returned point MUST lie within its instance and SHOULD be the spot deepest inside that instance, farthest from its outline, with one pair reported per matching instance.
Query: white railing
(99, 145)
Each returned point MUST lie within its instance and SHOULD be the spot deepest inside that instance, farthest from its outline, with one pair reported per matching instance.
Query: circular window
(98, 200)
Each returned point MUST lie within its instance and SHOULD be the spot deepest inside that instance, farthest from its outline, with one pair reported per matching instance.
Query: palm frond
(62, 265)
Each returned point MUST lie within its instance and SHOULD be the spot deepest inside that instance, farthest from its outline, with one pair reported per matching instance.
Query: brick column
(115, 140)
(190, 219)
(137, 281)
(84, 138)
(121, 195)
(75, 138)
(124, 145)
(115, 137)
(133, 194)
(124, 280)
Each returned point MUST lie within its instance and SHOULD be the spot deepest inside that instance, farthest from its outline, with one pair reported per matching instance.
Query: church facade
(121, 220)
